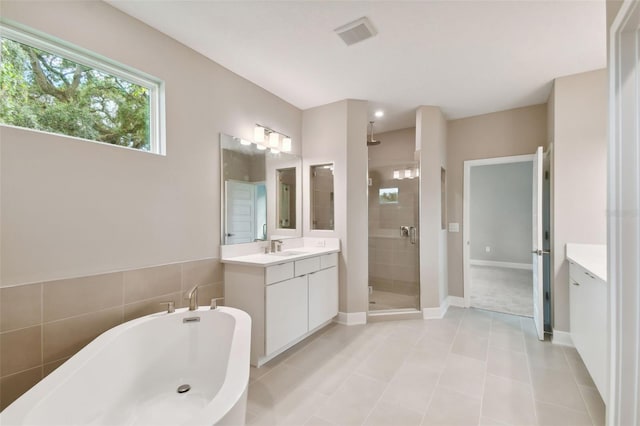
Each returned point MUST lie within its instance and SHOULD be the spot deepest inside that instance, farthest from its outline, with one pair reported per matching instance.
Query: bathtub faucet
(192, 295)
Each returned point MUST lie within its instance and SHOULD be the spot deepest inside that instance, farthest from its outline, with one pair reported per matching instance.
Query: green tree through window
(43, 91)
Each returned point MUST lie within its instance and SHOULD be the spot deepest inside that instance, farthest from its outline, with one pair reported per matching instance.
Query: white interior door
(537, 252)
(239, 212)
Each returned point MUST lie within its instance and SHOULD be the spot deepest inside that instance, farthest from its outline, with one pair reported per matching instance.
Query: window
(53, 88)
(388, 195)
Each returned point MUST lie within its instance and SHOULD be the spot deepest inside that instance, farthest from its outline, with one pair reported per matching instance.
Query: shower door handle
(412, 235)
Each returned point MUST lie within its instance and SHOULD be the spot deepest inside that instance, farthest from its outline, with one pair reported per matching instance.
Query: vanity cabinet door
(588, 322)
(286, 312)
(323, 296)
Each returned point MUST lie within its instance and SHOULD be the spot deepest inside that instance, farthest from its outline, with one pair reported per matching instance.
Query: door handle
(412, 235)
(541, 252)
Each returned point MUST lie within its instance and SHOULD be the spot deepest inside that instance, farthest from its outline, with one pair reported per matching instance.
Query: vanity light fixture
(245, 142)
(258, 134)
(286, 144)
(260, 147)
(278, 142)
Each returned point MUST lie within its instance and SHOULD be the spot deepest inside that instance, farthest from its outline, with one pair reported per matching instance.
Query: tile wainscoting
(43, 324)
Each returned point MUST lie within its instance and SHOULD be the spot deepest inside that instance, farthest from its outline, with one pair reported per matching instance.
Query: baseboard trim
(562, 338)
(351, 318)
(407, 314)
(436, 313)
(511, 265)
(456, 301)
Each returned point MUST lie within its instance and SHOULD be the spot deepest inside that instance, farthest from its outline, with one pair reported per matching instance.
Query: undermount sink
(288, 253)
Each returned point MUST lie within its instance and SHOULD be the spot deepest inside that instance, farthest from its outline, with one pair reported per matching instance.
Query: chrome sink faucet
(192, 295)
(275, 245)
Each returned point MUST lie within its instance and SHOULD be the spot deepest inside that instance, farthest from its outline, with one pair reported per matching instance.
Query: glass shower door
(394, 280)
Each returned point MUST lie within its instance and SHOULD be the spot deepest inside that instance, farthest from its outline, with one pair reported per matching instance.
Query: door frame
(466, 218)
(623, 239)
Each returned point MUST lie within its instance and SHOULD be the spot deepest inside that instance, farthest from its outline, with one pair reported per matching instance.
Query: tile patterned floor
(471, 368)
(505, 290)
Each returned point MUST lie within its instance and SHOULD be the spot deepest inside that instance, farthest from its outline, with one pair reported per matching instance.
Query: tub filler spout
(192, 295)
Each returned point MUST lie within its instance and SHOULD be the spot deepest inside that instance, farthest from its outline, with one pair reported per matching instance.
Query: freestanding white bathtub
(130, 375)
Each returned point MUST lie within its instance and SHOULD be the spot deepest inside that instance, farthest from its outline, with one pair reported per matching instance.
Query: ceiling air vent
(358, 30)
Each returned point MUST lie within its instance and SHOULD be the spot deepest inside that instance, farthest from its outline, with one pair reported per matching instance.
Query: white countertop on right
(592, 257)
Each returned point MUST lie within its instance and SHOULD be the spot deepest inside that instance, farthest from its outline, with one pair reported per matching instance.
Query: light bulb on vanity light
(258, 134)
(260, 147)
(274, 139)
(245, 142)
(286, 144)
(275, 151)
(407, 173)
(396, 174)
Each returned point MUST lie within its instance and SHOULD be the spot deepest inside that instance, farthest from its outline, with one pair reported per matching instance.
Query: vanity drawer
(328, 260)
(579, 274)
(277, 273)
(306, 266)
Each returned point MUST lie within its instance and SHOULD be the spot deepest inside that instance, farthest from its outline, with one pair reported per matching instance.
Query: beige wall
(336, 133)
(72, 208)
(579, 175)
(431, 145)
(397, 147)
(500, 134)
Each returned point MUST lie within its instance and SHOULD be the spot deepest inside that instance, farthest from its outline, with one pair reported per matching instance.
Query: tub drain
(184, 388)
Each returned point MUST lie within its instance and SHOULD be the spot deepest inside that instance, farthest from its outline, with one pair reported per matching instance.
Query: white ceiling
(468, 57)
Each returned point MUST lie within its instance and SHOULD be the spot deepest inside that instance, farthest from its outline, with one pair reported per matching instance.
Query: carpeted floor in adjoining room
(505, 290)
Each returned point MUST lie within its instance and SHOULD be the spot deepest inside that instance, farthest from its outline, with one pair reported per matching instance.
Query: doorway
(500, 221)
(506, 234)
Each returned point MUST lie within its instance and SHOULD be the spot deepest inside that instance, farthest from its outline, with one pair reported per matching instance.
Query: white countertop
(262, 259)
(592, 257)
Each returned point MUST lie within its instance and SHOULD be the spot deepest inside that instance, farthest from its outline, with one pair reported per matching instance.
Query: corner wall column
(431, 136)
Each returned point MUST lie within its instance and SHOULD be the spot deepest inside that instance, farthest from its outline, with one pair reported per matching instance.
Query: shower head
(370, 140)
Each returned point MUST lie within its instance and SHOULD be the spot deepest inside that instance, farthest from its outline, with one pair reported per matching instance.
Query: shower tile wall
(393, 260)
(43, 324)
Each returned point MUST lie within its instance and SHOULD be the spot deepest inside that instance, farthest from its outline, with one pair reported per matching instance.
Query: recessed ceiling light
(379, 113)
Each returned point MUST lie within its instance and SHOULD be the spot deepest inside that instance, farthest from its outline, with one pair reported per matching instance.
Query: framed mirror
(286, 198)
(322, 209)
(249, 190)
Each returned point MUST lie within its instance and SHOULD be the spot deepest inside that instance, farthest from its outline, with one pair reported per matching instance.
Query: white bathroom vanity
(289, 294)
(588, 305)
